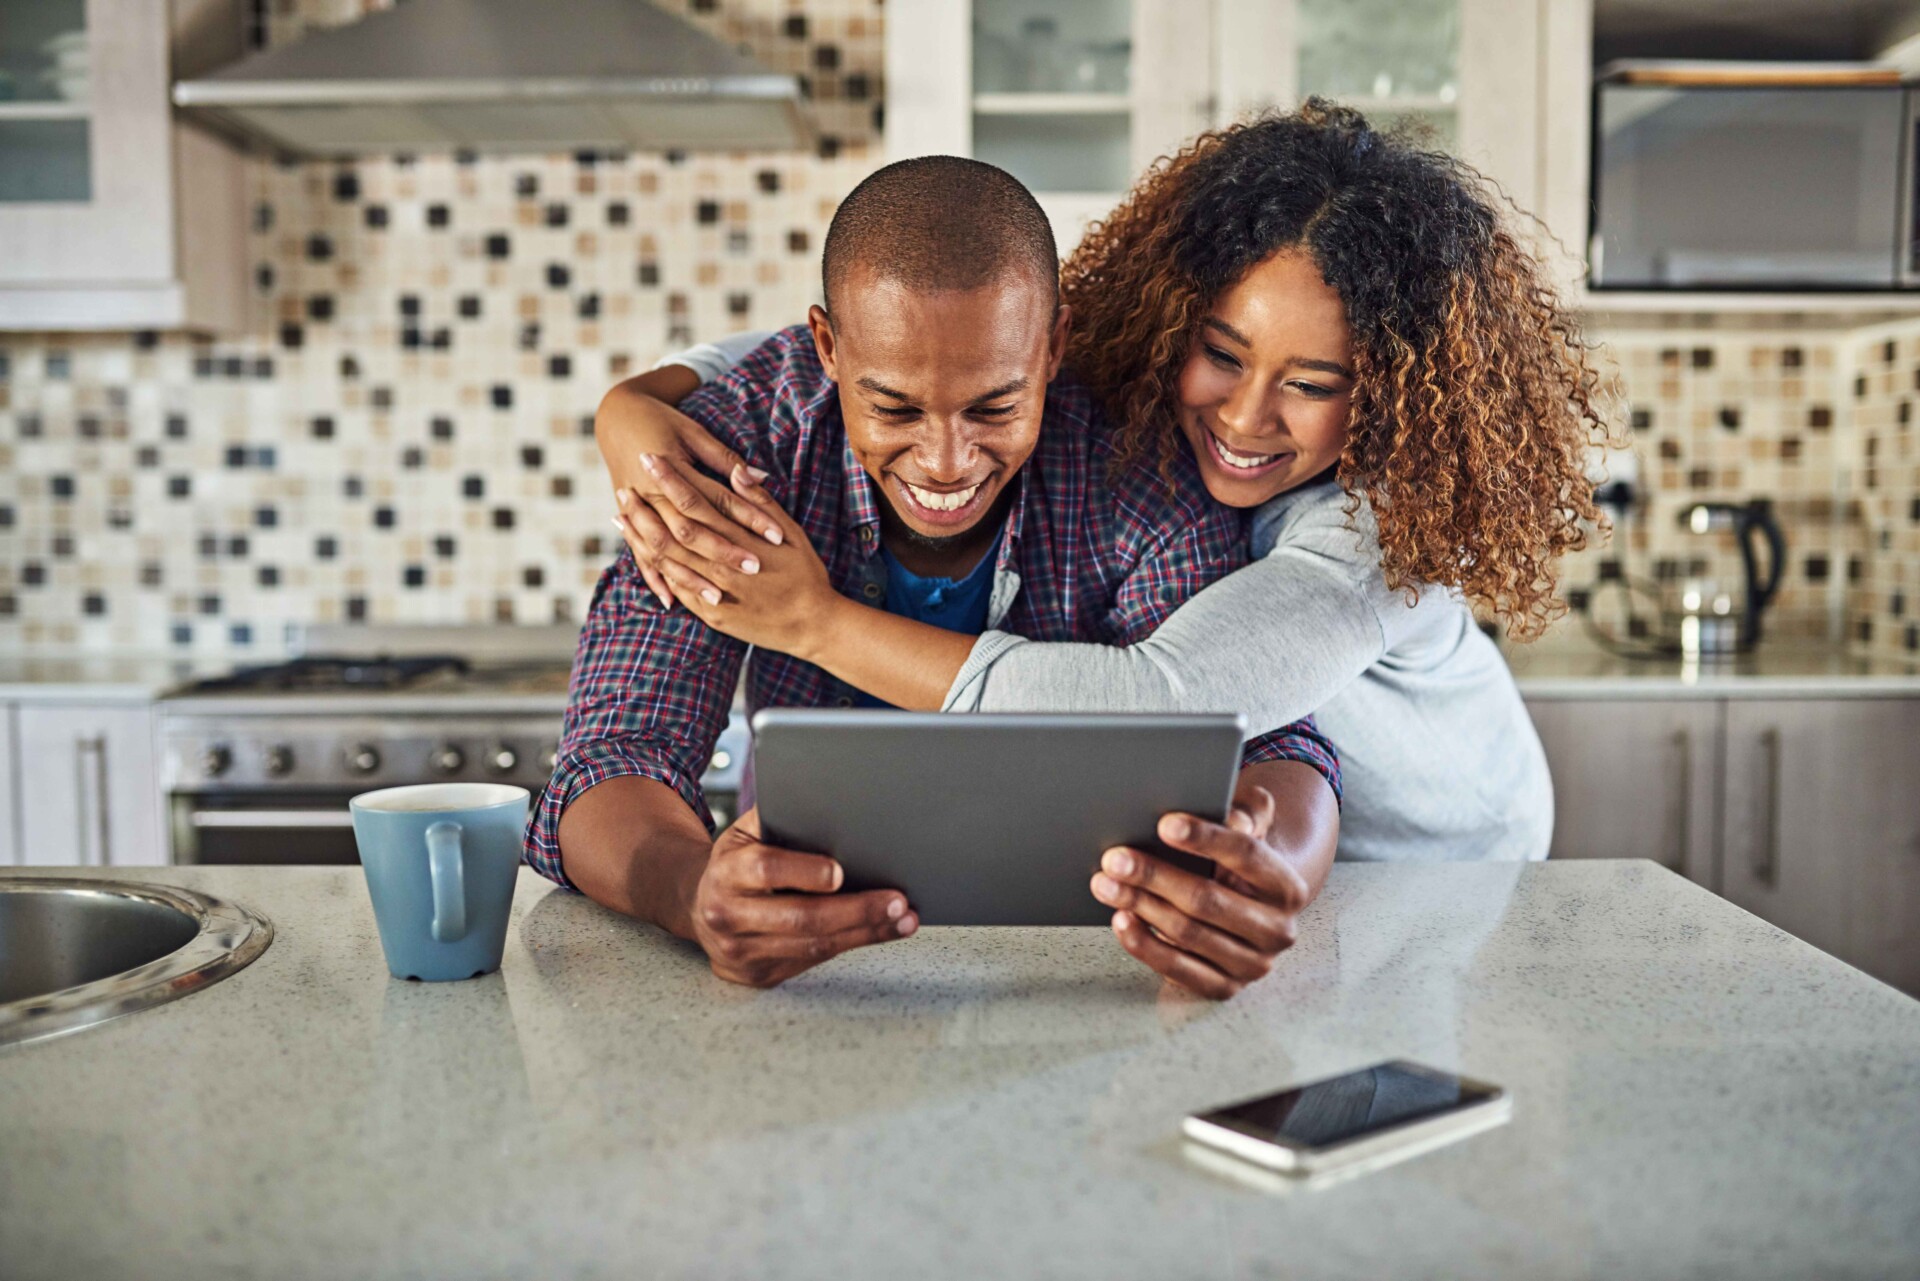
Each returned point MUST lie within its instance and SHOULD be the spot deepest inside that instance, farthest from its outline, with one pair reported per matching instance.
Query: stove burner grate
(328, 673)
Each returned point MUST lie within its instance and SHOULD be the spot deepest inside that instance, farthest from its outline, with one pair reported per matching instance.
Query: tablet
(987, 819)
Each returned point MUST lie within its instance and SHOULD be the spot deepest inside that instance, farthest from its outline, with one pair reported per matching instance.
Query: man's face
(942, 393)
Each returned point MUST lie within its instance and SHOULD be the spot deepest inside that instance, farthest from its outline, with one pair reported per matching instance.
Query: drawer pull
(1765, 861)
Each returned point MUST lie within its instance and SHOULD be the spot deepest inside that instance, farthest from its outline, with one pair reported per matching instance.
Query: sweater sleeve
(710, 361)
(1273, 640)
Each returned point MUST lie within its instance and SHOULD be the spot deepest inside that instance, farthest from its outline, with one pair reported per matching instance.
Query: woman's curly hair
(1475, 399)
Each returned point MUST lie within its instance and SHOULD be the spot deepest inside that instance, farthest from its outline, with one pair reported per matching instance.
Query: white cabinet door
(1823, 826)
(89, 786)
(1634, 779)
(9, 790)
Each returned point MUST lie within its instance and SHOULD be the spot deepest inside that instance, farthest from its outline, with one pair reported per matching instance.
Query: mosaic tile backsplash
(405, 436)
(405, 433)
(1883, 605)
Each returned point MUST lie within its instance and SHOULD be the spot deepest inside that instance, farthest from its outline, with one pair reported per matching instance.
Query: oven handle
(270, 820)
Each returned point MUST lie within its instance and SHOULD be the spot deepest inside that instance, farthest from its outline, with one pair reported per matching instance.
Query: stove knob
(215, 760)
(279, 760)
(502, 759)
(363, 758)
(448, 759)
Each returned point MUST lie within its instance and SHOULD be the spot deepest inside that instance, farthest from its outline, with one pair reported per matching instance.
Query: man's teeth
(942, 502)
(1242, 460)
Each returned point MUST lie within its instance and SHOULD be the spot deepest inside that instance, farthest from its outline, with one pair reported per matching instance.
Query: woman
(1356, 351)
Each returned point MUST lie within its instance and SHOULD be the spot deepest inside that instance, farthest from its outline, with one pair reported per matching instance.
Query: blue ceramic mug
(441, 861)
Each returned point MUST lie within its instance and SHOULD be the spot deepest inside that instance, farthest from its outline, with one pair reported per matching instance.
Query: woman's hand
(691, 532)
(637, 417)
(1212, 937)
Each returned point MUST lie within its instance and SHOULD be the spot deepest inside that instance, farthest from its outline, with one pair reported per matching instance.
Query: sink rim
(229, 937)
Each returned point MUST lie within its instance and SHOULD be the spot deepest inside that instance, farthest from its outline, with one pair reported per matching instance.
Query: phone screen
(1342, 1108)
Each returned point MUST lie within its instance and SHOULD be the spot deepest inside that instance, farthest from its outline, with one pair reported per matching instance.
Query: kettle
(1712, 622)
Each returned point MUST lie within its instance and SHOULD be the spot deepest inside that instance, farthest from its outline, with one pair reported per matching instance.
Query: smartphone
(1375, 1116)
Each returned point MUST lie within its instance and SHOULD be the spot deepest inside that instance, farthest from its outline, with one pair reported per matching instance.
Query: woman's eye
(1314, 391)
(1219, 357)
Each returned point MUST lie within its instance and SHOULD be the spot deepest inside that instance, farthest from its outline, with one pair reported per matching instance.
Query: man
(915, 431)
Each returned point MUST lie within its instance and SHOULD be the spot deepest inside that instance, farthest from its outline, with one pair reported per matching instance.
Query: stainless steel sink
(77, 952)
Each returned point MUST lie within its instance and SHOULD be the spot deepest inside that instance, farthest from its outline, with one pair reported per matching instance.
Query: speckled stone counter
(1572, 667)
(1696, 1094)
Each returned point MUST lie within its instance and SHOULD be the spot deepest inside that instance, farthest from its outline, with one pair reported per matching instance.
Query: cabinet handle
(1683, 808)
(94, 834)
(1765, 862)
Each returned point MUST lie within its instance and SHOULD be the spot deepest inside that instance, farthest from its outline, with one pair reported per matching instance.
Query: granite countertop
(103, 677)
(1696, 1093)
(1571, 666)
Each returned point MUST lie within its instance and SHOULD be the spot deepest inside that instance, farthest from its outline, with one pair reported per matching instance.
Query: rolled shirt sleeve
(649, 696)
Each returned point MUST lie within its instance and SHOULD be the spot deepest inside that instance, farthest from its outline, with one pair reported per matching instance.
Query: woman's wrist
(826, 623)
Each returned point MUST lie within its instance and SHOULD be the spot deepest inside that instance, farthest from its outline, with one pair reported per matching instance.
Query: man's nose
(948, 454)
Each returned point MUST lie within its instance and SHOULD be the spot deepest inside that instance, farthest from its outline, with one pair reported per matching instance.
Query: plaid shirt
(1081, 560)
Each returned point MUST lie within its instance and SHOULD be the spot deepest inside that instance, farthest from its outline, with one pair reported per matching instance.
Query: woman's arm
(1274, 640)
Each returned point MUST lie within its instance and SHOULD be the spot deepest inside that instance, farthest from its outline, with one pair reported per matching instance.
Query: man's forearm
(1306, 819)
(632, 844)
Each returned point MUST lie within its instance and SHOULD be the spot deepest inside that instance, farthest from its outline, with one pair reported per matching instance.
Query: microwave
(1718, 177)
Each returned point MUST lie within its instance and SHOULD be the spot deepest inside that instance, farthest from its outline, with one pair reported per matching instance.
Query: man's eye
(896, 411)
(993, 411)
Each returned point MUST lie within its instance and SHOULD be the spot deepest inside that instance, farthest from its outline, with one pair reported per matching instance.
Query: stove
(258, 765)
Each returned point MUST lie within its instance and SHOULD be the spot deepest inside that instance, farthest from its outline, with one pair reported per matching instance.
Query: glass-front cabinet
(97, 182)
(1077, 97)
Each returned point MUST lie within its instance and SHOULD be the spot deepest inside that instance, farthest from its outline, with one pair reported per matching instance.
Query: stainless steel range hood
(503, 75)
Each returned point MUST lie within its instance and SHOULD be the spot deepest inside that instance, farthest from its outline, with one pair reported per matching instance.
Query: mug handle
(447, 868)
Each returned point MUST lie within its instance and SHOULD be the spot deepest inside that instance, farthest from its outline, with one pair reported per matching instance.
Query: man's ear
(1057, 344)
(822, 330)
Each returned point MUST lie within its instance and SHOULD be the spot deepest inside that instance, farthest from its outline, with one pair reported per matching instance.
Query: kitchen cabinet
(1823, 825)
(9, 790)
(1804, 811)
(89, 785)
(1077, 97)
(1635, 779)
(112, 215)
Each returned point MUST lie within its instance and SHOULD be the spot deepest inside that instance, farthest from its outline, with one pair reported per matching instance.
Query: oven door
(255, 828)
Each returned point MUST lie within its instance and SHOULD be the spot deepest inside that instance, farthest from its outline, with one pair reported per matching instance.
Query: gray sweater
(1440, 758)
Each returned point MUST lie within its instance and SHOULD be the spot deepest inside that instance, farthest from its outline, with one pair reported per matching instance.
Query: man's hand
(1213, 936)
(764, 914)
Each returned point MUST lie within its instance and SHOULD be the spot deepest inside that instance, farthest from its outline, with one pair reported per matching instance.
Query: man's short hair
(938, 223)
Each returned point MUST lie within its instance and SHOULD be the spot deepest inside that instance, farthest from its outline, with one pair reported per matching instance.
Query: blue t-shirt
(957, 604)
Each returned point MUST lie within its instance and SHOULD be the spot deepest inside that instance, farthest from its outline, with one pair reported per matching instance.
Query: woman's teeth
(1248, 461)
(953, 502)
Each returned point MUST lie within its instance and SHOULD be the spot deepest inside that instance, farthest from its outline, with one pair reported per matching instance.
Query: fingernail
(624, 497)
(1176, 829)
(775, 537)
(759, 476)
(895, 907)
(651, 463)
(1121, 921)
(839, 876)
(1105, 888)
(619, 524)
(710, 596)
(749, 566)
(1119, 862)
(908, 925)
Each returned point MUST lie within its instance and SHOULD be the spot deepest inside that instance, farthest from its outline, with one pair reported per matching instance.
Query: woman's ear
(822, 330)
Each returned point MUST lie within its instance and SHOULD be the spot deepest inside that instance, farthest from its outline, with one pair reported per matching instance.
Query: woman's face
(1264, 394)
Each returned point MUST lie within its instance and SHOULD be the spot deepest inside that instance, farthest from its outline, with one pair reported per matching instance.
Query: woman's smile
(1243, 465)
